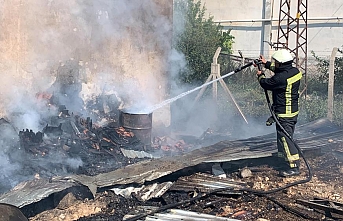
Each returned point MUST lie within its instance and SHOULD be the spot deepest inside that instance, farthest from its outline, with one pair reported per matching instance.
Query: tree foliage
(198, 40)
(323, 77)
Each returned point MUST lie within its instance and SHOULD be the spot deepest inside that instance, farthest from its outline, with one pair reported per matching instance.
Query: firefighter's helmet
(282, 56)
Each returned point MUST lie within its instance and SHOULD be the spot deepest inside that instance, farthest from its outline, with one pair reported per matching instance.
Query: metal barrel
(11, 213)
(139, 124)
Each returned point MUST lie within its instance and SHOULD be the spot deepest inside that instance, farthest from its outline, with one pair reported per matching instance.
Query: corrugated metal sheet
(205, 183)
(137, 154)
(144, 193)
(177, 214)
(199, 181)
(316, 134)
(35, 190)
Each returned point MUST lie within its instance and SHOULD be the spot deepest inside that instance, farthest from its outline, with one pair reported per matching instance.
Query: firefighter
(284, 85)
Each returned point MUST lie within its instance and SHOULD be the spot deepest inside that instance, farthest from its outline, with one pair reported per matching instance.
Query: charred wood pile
(100, 148)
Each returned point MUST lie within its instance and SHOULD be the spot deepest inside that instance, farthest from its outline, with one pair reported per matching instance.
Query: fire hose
(309, 177)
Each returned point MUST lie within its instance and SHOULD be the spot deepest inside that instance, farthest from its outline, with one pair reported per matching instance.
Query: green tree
(197, 38)
(319, 84)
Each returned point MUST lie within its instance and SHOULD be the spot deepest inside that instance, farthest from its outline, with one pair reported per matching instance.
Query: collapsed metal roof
(33, 191)
(312, 135)
(308, 136)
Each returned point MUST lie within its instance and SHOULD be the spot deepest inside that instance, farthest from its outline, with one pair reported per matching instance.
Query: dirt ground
(326, 183)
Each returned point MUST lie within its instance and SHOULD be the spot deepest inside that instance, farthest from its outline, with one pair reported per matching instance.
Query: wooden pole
(215, 74)
(201, 92)
(331, 83)
(215, 71)
(227, 90)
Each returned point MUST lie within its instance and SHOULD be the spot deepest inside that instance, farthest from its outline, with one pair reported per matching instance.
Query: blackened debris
(75, 137)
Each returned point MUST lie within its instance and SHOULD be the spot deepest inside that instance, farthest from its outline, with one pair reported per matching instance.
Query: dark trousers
(287, 151)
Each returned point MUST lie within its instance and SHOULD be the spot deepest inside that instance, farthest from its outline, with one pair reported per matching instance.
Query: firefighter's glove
(270, 121)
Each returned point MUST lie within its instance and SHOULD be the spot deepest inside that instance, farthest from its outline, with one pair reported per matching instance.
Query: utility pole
(292, 32)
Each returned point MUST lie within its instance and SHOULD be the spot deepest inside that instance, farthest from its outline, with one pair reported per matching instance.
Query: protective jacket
(285, 88)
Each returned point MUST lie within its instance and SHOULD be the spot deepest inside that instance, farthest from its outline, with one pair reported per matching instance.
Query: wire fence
(313, 105)
(311, 72)
(312, 66)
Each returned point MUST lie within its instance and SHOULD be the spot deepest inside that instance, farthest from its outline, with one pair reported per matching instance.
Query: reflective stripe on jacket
(285, 89)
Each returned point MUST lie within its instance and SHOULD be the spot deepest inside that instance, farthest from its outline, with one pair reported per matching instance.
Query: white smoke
(103, 47)
(119, 45)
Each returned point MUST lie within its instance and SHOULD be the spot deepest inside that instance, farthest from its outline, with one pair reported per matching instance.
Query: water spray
(157, 106)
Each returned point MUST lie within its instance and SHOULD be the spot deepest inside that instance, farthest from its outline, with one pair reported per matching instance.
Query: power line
(325, 23)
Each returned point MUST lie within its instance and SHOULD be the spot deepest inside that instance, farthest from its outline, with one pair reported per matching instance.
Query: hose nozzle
(258, 63)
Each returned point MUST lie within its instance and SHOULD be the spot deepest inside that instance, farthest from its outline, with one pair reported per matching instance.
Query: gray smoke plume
(73, 51)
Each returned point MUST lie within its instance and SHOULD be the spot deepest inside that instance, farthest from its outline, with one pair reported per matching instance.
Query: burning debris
(164, 182)
(172, 146)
